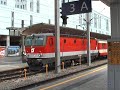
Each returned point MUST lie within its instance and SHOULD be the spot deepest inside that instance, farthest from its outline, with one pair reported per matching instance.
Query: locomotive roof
(49, 28)
(43, 34)
(62, 35)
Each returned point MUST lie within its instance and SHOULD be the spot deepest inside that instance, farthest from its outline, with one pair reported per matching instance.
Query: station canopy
(49, 28)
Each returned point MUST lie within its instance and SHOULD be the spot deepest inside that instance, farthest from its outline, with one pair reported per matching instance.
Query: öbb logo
(32, 50)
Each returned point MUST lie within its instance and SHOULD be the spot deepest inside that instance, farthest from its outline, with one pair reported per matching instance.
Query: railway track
(16, 73)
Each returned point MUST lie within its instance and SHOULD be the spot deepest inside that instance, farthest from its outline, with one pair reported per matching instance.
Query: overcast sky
(101, 7)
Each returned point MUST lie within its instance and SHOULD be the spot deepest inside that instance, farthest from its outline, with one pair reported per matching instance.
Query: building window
(12, 19)
(17, 6)
(21, 4)
(99, 22)
(95, 20)
(107, 25)
(3, 2)
(31, 5)
(31, 20)
(90, 17)
(80, 19)
(38, 6)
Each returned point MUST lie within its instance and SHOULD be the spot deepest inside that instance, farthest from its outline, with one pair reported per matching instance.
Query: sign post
(57, 38)
(88, 40)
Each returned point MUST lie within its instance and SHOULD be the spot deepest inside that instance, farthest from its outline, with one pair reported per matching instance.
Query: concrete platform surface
(8, 63)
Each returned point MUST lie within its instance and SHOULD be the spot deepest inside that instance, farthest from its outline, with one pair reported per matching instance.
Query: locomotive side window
(74, 41)
(51, 41)
(64, 40)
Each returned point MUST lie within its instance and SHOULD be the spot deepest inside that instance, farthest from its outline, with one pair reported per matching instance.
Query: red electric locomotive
(40, 49)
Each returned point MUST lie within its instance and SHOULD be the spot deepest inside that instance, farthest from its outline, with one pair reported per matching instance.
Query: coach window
(103, 45)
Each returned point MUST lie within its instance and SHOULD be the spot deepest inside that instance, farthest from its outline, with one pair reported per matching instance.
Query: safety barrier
(25, 73)
(46, 66)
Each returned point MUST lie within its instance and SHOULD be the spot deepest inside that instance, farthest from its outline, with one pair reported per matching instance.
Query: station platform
(10, 63)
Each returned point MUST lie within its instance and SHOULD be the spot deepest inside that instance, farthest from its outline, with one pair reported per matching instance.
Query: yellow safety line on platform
(96, 70)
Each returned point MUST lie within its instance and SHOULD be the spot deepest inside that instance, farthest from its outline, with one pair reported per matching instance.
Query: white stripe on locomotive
(51, 55)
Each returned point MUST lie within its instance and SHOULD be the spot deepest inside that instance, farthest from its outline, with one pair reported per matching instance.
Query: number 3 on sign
(72, 7)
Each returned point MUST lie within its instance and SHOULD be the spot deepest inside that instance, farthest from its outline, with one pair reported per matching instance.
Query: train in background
(40, 49)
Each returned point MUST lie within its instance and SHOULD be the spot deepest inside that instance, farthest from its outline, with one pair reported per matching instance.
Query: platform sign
(76, 7)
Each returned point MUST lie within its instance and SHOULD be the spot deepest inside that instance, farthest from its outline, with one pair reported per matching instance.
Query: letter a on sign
(84, 6)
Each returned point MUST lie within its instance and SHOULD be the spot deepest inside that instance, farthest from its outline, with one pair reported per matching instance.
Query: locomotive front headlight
(39, 55)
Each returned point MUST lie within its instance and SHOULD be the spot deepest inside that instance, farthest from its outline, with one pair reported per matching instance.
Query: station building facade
(42, 11)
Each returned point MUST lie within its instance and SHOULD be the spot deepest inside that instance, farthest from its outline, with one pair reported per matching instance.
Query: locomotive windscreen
(36, 40)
